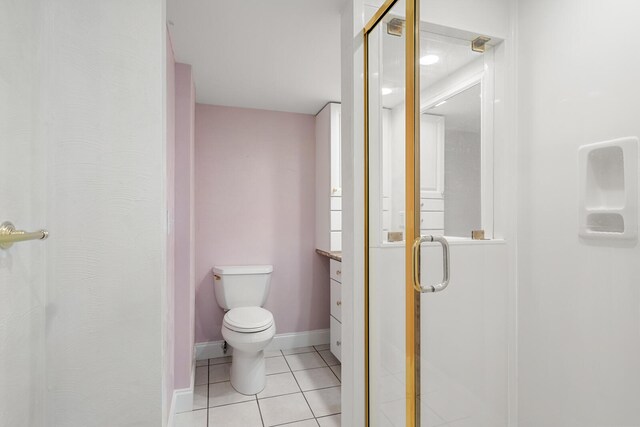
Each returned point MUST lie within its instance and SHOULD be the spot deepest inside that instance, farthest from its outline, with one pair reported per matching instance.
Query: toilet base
(248, 372)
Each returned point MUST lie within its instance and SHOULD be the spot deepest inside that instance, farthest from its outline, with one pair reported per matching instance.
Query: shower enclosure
(501, 214)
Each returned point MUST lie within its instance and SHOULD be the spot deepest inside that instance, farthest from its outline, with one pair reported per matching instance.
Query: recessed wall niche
(609, 189)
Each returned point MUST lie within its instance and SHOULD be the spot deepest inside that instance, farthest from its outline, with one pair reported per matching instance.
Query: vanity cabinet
(328, 179)
(335, 320)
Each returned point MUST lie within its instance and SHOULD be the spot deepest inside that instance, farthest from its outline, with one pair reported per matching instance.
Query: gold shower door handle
(417, 244)
(9, 235)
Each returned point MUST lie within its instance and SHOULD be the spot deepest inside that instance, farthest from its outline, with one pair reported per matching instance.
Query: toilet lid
(248, 319)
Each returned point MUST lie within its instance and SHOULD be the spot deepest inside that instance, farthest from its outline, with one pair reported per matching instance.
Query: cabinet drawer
(432, 220)
(336, 203)
(336, 299)
(336, 220)
(335, 272)
(336, 241)
(386, 220)
(432, 205)
(386, 203)
(335, 333)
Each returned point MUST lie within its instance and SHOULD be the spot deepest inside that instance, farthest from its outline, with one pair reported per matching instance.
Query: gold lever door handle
(9, 235)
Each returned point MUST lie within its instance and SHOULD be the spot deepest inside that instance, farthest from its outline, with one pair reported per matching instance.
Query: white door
(21, 182)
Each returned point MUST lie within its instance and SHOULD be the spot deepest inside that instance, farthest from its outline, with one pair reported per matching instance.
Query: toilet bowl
(248, 330)
(247, 327)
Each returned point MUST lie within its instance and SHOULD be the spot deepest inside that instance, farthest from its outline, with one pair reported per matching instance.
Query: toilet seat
(248, 319)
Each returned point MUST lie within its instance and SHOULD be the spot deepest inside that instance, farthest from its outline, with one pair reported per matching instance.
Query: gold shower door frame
(412, 226)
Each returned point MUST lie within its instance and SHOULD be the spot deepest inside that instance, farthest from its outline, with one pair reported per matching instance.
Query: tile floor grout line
(339, 381)
(280, 395)
(300, 370)
(330, 415)
(323, 388)
(298, 384)
(271, 357)
(319, 367)
(259, 411)
(292, 372)
(329, 366)
(326, 365)
(293, 422)
(325, 361)
(232, 403)
(336, 375)
(301, 352)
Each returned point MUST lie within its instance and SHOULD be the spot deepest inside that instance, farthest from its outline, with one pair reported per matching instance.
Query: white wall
(488, 17)
(352, 146)
(22, 285)
(185, 228)
(579, 301)
(170, 264)
(104, 133)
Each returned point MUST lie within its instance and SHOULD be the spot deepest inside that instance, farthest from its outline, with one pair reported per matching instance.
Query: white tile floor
(303, 390)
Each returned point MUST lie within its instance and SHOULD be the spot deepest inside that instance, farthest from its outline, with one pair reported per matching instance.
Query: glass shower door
(434, 357)
(391, 216)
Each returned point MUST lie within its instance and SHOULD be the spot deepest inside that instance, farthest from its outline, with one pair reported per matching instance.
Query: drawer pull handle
(338, 303)
(338, 343)
(338, 272)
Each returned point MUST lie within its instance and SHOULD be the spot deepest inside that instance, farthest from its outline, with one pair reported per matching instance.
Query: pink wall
(170, 118)
(255, 197)
(184, 245)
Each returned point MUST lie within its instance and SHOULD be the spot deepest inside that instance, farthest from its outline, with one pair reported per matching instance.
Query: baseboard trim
(183, 400)
(172, 411)
(299, 339)
(213, 349)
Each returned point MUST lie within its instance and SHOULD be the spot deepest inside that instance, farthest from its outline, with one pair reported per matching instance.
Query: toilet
(247, 327)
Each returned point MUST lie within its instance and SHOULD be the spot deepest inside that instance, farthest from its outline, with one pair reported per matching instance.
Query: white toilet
(247, 327)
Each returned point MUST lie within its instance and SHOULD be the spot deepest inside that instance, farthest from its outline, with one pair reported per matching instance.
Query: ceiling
(276, 55)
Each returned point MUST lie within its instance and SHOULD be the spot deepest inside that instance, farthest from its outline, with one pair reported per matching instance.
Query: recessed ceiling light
(386, 90)
(429, 59)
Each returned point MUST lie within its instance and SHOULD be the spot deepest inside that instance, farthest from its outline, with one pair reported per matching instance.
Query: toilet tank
(241, 285)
